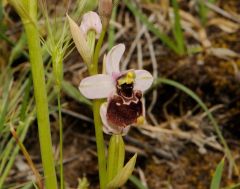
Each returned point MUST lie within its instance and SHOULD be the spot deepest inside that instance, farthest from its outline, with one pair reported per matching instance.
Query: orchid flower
(123, 90)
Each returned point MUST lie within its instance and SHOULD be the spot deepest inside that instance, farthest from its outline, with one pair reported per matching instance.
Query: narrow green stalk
(42, 106)
(61, 140)
(100, 144)
(28, 11)
(94, 67)
(97, 119)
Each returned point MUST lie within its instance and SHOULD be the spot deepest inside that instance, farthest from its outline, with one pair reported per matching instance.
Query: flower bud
(91, 21)
(105, 11)
(80, 41)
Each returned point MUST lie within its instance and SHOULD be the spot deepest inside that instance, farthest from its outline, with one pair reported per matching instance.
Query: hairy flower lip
(105, 86)
(110, 129)
(121, 113)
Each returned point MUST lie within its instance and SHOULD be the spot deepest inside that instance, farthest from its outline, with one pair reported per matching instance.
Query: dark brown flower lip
(122, 113)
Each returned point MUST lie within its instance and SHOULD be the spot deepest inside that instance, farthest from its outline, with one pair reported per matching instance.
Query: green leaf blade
(123, 175)
(216, 180)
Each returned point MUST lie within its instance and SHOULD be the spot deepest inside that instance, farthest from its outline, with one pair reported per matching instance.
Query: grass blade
(137, 182)
(18, 49)
(203, 10)
(177, 29)
(216, 180)
(5, 103)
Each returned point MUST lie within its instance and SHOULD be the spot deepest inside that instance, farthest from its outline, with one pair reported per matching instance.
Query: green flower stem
(102, 163)
(33, 38)
(94, 67)
(100, 144)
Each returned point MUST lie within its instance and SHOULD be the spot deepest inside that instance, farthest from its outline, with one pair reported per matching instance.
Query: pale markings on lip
(129, 102)
(126, 113)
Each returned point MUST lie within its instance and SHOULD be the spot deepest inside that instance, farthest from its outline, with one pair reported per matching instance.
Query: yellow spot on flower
(128, 78)
(140, 120)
